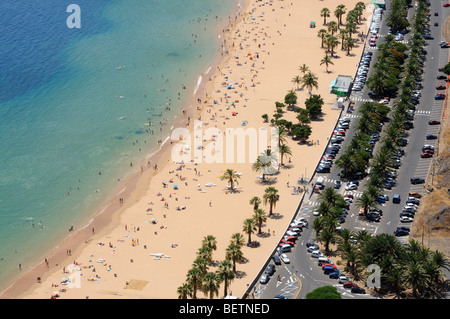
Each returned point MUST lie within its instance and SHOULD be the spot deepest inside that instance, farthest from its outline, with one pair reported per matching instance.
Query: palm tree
(327, 236)
(325, 13)
(327, 61)
(281, 134)
(210, 242)
(330, 197)
(297, 80)
(332, 27)
(265, 164)
(366, 201)
(349, 43)
(237, 239)
(310, 81)
(204, 257)
(347, 163)
(321, 34)
(249, 227)
(255, 201)
(194, 279)
(260, 217)
(304, 68)
(271, 197)
(234, 254)
(210, 285)
(332, 42)
(415, 276)
(184, 291)
(225, 274)
(284, 150)
(231, 176)
(339, 12)
(342, 35)
(394, 278)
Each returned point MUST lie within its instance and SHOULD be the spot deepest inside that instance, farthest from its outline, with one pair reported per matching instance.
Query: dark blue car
(431, 137)
(382, 199)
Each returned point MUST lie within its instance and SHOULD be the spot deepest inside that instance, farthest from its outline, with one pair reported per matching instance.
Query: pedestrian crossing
(422, 112)
(352, 116)
(359, 99)
(355, 194)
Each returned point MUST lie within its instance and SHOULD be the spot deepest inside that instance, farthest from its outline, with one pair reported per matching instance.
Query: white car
(406, 219)
(350, 187)
(316, 254)
(285, 258)
(343, 279)
(291, 233)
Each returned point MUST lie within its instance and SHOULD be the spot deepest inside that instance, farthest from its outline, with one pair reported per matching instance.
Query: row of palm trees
(329, 35)
(411, 70)
(199, 278)
(307, 79)
(402, 267)
(410, 267)
(413, 266)
(355, 159)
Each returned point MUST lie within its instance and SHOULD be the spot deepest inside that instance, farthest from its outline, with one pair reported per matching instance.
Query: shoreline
(136, 187)
(107, 216)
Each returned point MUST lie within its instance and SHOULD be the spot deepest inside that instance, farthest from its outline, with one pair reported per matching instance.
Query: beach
(145, 248)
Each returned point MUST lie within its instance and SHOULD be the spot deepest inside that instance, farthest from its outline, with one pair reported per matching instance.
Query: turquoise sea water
(74, 102)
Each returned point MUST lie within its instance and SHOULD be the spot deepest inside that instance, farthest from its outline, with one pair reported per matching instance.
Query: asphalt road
(302, 274)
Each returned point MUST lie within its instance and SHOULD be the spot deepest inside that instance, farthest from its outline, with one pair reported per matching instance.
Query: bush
(325, 292)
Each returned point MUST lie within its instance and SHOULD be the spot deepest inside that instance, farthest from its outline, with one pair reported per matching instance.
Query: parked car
(382, 199)
(343, 279)
(312, 248)
(414, 194)
(417, 180)
(276, 260)
(337, 184)
(349, 284)
(426, 155)
(264, 279)
(399, 232)
(285, 258)
(270, 270)
(441, 87)
(351, 186)
(441, 77)
(358, 290)
(439, 96)
(433, 122)
(406, 219)
(431, 137)
(334, 275)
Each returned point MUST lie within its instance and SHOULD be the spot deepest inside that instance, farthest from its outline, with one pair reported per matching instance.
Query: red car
(445, 5)
(441, 87)
(283, 242)
(349, 284)
(290, 238)
(426, 155)
(433, 122)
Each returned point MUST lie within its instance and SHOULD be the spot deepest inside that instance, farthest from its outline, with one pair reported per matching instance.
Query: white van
(323, 260)
(319, 182)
